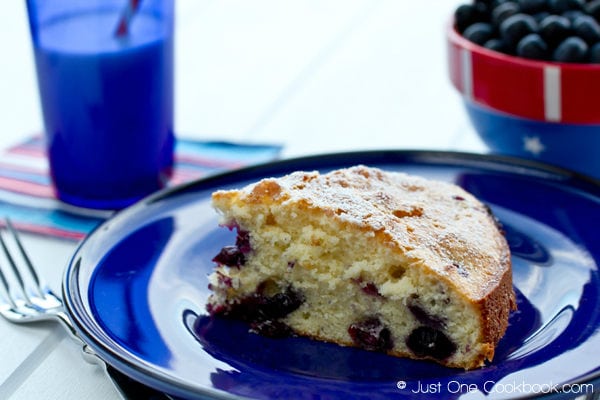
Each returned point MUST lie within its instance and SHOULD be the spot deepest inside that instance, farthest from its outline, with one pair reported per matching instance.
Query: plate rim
(508, 164)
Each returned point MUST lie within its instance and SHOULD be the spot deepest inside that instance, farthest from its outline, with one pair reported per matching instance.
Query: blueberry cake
(362, 257)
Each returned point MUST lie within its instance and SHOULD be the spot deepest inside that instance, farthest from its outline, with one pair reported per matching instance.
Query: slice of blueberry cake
(367, 258)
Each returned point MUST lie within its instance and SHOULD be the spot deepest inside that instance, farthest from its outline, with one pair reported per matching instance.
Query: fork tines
(17, 273)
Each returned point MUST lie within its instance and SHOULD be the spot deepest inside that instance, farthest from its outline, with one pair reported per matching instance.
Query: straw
(126, 16)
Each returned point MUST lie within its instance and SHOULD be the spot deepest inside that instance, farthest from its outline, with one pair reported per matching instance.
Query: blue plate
(137, 286)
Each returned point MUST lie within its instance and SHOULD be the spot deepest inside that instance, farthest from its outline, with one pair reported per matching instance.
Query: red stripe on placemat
(24, 187)
(49, 231)
(36, 151)
(23, 169)
(25, 173)
(180, 176)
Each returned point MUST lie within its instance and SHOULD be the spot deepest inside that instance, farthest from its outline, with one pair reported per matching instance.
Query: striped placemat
(27, 195)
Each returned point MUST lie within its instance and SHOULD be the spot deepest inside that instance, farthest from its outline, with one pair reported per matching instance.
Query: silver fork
(29, 299)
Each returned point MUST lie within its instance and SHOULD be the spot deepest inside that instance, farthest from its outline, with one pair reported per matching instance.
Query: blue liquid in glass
(107, 105)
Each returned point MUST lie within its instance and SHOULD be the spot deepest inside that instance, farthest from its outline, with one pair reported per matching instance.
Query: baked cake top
(436, 225)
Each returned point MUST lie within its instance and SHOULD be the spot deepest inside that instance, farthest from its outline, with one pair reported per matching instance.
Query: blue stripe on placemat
(27, 196)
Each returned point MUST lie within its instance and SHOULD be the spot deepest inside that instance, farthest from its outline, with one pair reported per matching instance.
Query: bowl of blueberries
(529, 75)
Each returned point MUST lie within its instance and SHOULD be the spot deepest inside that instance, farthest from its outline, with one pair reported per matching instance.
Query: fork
(29, 299)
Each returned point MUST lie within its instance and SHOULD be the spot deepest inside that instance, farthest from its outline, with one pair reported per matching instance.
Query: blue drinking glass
(106, 95)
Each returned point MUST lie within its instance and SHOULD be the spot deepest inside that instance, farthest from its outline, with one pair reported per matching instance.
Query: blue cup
(105, 76)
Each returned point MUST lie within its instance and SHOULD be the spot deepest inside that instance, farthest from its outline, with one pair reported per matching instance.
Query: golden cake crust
(437, 226)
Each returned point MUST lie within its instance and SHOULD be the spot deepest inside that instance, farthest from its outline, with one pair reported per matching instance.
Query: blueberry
(464, 16)
(554, 29)
(560, 6)
(593, 8)
(587, 28)
(235, 256)
(532, 6)
(539, 17)
(572, 15)
(533, 47)
(479, 32)
(482, 10)
(259, 307)
(423, 316)
(496, 45)
(557, 30)
(281, 304)
(468, 14)
(516, 27)
(503, 11)
(369, 288)
(496, 3)
(572, 49)
(426, 341)
(595, 53)
(230, 256)
(371, 334)
(242, 241)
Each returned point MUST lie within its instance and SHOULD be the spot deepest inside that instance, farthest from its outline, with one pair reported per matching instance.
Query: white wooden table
(315, 75)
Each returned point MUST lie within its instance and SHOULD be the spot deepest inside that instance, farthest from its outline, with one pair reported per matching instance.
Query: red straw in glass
(126, 17)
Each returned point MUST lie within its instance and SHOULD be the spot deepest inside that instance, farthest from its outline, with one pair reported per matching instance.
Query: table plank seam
(20, 375)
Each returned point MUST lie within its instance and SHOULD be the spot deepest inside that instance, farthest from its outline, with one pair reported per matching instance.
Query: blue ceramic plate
(137, 286)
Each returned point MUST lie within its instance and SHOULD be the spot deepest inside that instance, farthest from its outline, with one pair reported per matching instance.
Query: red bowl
(539, 110)
(539, 90)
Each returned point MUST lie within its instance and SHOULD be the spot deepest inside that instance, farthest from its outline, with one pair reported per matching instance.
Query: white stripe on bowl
(467, 73)
(552, 94)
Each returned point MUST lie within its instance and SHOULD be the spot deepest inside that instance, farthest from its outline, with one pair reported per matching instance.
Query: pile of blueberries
(551, 30)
